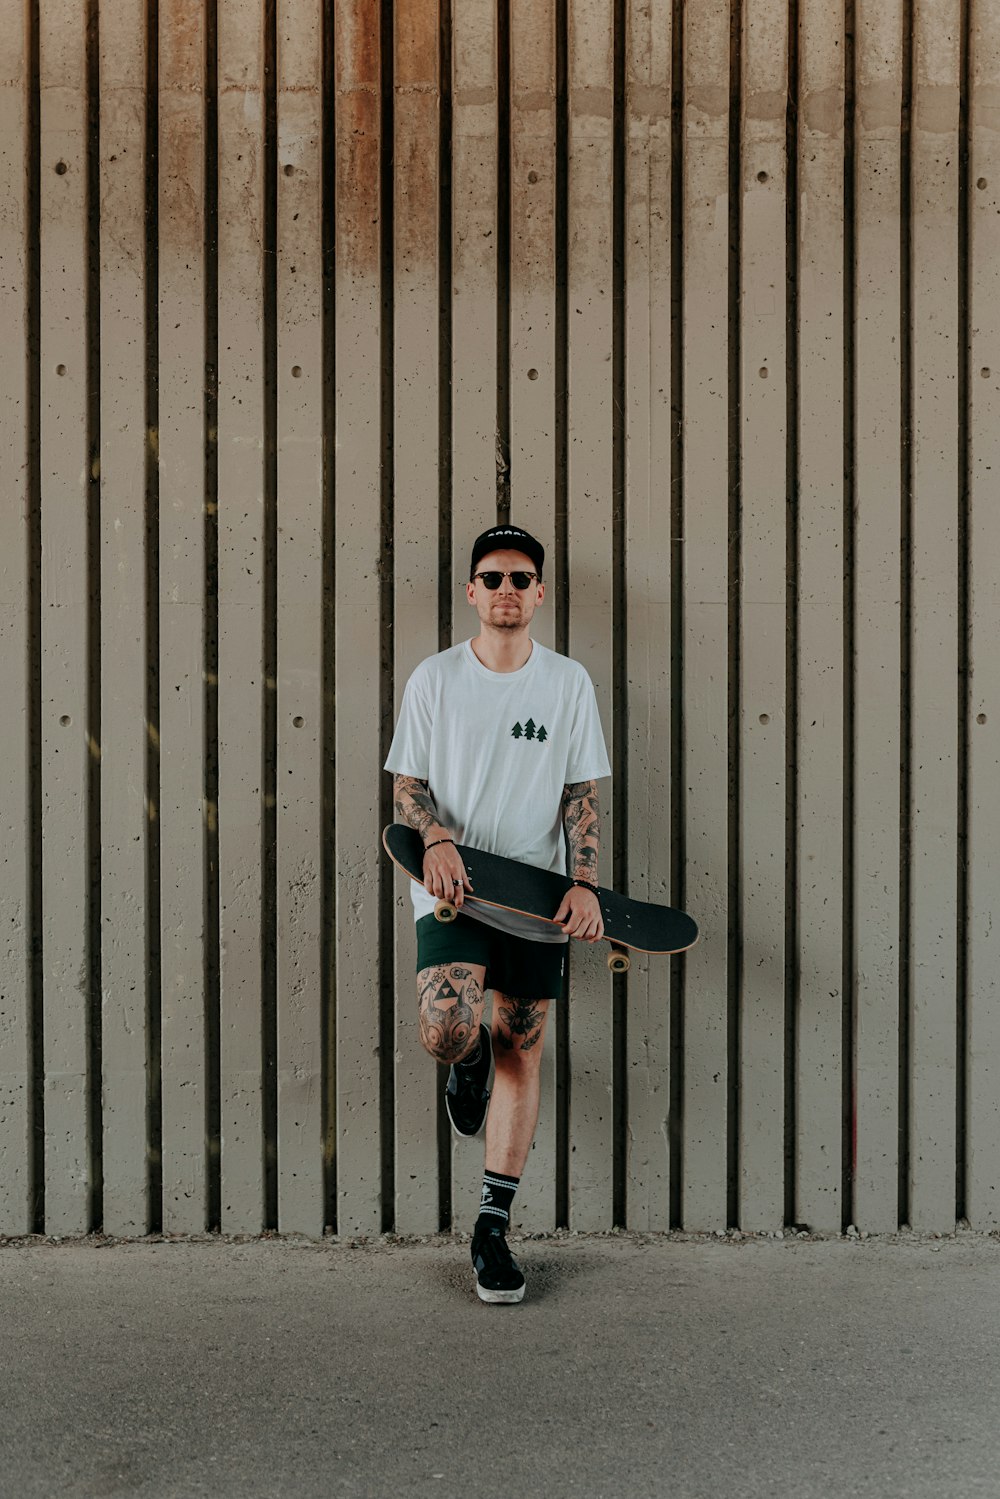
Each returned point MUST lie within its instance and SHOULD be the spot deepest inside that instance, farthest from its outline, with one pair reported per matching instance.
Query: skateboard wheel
(445, 910)
(619, 961)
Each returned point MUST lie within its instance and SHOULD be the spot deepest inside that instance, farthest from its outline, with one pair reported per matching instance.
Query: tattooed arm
(583, 829)
(580, 911)
(415, 807)
(444, 872)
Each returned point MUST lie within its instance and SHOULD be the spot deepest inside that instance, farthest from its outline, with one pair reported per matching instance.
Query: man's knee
(451, 1002)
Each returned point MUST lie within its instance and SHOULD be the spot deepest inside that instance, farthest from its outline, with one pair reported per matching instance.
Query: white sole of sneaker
(498, 1297)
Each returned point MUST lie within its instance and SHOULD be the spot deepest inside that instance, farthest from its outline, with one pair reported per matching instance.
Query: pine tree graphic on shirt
(529, 731)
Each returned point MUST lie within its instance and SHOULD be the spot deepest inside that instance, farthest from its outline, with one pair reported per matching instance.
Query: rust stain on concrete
(358, 164)
(357, 44)
(181, 45)
(416, 42)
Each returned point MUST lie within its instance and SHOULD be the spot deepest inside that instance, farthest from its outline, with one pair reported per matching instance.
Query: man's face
(507, 607)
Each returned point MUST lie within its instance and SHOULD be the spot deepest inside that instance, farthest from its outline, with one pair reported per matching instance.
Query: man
(498, 746)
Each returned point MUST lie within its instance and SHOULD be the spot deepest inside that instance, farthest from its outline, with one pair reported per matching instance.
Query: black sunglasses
(492, 581)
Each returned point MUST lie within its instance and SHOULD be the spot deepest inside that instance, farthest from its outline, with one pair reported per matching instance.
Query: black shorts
(515, 966)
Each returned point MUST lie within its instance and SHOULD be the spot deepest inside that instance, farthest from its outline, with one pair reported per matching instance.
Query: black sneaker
(498, 1275)
(467, 1096)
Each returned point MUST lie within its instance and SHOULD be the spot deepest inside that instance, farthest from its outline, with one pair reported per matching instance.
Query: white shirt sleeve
(410, 750)
(587, 759)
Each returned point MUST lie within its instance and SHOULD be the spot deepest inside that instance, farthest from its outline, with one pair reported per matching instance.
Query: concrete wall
(295, 300)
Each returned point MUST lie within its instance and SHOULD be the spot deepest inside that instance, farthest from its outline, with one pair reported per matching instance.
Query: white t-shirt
(496, 750)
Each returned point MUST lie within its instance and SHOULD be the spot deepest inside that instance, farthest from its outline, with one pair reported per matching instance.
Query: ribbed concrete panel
(298, 299)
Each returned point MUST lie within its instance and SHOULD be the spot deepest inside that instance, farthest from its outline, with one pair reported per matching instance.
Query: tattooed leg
(518, 1037)
(451, 1000)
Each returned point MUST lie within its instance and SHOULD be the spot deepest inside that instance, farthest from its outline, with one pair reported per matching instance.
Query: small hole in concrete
(764, 718)
(980, 183)
(296, 371)
(289, 169)
(61, 168)
(60, 369)
(298, 722)
(532, 176)
(980, 718)
(761, 176)
(532, 374)
(762, 372)
(985, 372)
(65, 720)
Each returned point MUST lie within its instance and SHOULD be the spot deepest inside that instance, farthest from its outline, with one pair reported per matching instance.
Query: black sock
(473, 1057)
(498, 1194)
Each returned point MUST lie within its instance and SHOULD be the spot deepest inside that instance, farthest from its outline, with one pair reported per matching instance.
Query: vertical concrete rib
(590, 520)
(242, 460)
(416, 551)
(905, 1093)
(678, 573)
(66, 746)
(210, 668)
(328, 659)
(359, 893)
(704, 1108)
(126, 436)
(185, 512)
(151, 589)
(815, 765)
(934, 632)
(982, 1042)
(15, 524)
(644, 662)
(734, 677)
(95, 1014)
(792, 586)
(298, 541)
(876, 749)
(269, 625)
(848, 1089)
(35, 914)
(962, 609)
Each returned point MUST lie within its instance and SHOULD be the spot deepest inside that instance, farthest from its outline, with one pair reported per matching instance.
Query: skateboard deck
(511, 886)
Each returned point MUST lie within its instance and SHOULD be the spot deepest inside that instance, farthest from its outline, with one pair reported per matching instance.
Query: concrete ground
(636, 1366)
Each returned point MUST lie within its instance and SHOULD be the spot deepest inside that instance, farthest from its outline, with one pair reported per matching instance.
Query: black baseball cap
(507, 539)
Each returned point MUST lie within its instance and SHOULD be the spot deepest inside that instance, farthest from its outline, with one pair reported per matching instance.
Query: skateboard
(511, 886)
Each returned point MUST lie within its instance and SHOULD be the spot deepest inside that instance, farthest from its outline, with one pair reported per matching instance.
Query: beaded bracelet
(436, 842)
(587, 886)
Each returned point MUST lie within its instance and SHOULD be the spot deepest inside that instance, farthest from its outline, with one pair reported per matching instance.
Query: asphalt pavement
(637, 1365)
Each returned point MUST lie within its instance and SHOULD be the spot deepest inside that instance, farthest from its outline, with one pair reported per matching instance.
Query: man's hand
(444, 874)
(580, 914)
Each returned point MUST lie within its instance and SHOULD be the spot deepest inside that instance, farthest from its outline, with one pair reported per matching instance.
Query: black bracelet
(436, 842)
(587, 886)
